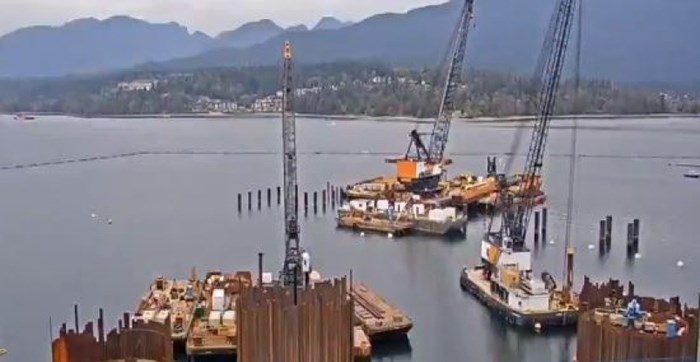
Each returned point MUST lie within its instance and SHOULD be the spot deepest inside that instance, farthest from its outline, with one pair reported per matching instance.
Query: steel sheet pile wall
(138, 340)
(600, 340)
(318, 328)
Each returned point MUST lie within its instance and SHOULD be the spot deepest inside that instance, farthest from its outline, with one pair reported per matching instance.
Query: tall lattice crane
(421, 167)
(516, 217)
(291, 270)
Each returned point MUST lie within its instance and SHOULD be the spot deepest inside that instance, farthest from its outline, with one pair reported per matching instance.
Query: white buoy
(591, 246)
(93, 215)
(637, 255)
(680, 263)
(109, 221)
(551, 242)
(362, 233)
(538, 327)
(390, 235)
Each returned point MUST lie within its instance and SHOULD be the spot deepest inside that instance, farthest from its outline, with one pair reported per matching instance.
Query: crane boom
(515, 222)
(292, 258)
(441, 128)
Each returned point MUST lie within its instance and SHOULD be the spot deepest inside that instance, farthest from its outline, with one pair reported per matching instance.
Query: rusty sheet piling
(131, 341)
(668, 332)
(319, 328)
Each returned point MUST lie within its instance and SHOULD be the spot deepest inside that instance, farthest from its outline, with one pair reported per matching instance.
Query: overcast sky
(209, 16)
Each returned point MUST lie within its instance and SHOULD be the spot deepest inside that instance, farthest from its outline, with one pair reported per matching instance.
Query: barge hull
(558, 319)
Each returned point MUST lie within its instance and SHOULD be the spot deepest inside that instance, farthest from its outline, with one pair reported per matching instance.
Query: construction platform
(378, 319)
(617, 327)
(209, 312)
(173, 300)
(373, 223)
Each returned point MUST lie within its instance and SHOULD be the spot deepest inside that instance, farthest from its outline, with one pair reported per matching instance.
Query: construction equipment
(291, 270)
(422, 168)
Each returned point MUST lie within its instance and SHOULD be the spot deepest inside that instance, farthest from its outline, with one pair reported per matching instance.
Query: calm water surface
(172, 212)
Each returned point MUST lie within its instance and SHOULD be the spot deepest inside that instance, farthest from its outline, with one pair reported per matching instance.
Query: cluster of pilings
(133, 340)
(605, 237)
(313, 201)
(540, 229)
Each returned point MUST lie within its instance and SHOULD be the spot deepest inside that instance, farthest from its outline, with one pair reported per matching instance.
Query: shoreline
(344, 118)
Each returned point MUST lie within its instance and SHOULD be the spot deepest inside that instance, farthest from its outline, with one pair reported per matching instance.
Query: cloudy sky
(209, 16)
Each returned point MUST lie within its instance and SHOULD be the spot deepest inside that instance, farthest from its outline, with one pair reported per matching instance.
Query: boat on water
(505, 284)
(3, 352)
(692, 174)
(402, 217)
(23, 117)
(174, 300)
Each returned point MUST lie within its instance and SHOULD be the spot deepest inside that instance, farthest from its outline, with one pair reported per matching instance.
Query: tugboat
(23, 117)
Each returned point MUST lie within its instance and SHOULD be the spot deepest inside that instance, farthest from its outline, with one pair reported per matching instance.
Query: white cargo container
(229, 318)
(267, 278)
(436, 215)
(214, 318)
(383, 205)
(148, 315)
(217, 299)
(162, 316)
(449, 212)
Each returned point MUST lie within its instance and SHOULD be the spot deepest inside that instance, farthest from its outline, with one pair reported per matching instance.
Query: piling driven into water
(132, 341)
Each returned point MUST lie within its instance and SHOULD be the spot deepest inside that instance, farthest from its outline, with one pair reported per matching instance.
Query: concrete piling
(259, 199)
(537, 228)
(333, 197)
(260, 269)
(630, 240)
(250, 200)
(635, 235)
(240, 203)
(323, 200)
(279, 195)
(269, 197)
(315, 203)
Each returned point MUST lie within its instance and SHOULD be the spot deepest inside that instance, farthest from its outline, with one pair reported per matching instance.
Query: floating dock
(379, 319)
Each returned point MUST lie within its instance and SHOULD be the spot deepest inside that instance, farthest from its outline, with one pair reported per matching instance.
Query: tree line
(371, 89)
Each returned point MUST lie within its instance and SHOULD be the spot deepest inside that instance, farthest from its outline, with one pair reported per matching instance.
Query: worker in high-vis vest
(306, 266)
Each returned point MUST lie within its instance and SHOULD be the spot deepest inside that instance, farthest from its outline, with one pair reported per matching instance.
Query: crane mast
(291, 272)
(441, 128)
(515, 221)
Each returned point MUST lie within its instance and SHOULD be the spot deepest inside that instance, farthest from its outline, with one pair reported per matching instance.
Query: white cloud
(210, 16)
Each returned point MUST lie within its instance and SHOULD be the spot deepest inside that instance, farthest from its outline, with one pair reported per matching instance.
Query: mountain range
(625, 40)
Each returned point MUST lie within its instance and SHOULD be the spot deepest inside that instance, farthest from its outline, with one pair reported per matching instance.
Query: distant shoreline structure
(399, 119)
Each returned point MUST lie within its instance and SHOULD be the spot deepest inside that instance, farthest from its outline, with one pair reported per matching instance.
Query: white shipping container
(383, 204)
(449, 212)
(436, 215)
(162, 316)
(217, 299)
(359, 204)
(267, 278)
(148, 315)
(229, 318)
(215, 318)
(418, 209)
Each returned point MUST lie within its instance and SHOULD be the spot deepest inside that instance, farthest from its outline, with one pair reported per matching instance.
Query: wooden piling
(602, 247)
(635, 235)
(250, 200)
(324, 194)
(279, 195)
(75, 314)
(333, 197)
(608, 232)
(269, 197)
(315, 202)
(630, 240)
(259, 199)
(537, 228)
(306, 203)
(260, 269)
(240, 202)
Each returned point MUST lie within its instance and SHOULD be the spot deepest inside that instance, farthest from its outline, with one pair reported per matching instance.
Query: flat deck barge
(173, 298)
(472, 281)
(374, 224)
(378, 319)
(214, 328)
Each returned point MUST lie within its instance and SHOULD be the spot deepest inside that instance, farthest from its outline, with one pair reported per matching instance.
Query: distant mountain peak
(330, 23)
(300, 27)
(250, 34)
